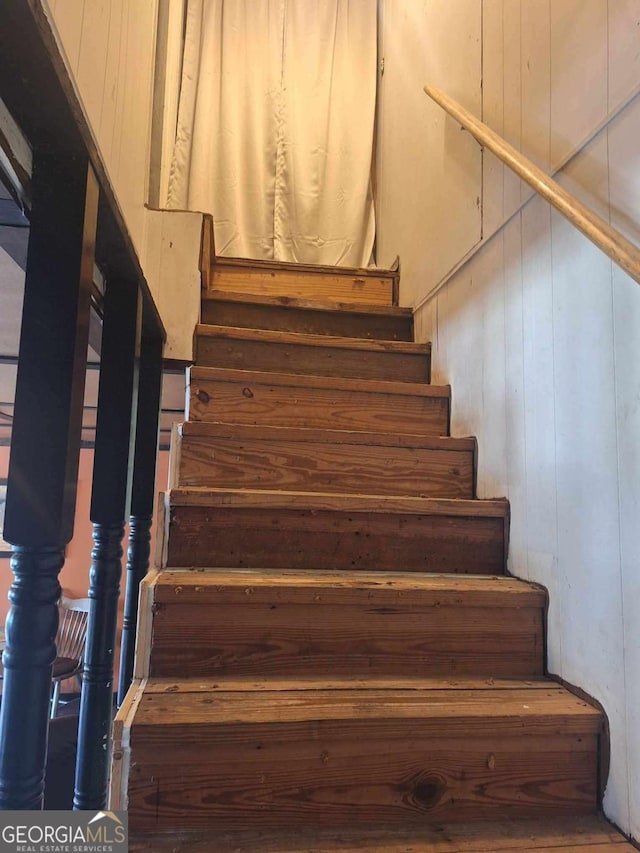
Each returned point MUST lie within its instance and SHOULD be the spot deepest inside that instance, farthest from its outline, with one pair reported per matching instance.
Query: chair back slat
(72, 627)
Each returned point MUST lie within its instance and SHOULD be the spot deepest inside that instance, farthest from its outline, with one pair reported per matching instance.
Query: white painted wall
(429, 175)
(538, 333)
(110, 48)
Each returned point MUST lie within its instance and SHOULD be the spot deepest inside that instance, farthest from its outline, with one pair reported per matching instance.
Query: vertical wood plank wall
(538, 334)
(429, 175)
(110, 47)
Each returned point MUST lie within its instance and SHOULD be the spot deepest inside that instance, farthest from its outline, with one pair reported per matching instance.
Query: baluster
(110, 497)
(144, 476)
(43, 464)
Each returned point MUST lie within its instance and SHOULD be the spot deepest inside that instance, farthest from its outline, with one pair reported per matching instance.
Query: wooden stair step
(222, 622)
(303, 530)
(305, 281)
(307, 316)
(264, 457)
(572, 834)
(314, 355)
(302, 756)
(286, 400)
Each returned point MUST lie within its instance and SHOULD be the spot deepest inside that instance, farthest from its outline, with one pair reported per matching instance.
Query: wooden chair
(70, 642)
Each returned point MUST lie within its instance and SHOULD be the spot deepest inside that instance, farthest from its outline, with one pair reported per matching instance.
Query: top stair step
(354, 320)
(305, 281)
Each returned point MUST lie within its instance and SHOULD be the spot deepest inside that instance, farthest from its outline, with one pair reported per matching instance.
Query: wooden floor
(589, 834)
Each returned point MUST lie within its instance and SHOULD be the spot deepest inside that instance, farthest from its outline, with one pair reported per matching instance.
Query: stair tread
(257, 432)
(311, 304)
(256, 264)
(248, 683)
(209, 496)
(552, 709)
(501, 588)
(581, 834)
(299, 338)
(327, 382)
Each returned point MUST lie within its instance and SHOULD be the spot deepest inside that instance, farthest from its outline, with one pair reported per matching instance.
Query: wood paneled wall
(110, 47)
(429, 175)
(538, 335)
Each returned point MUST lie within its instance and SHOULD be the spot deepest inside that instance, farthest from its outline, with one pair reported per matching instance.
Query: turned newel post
(142, 498)
(115, 427)
(43, 464)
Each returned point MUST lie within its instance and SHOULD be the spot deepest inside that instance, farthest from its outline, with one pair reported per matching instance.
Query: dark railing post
(43, 465)
(142, 499)
(109, 506)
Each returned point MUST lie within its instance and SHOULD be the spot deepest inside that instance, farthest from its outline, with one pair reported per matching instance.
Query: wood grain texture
(303, 435)
(121, 749)
(223, 623)
(608, 239)
(243, 396)
(321, 355)
(588, 833)
(388, 786)
(311, 667)
(303, 757)
(344, 588)
(447, 713)
(242, 684)
(361, 772)
(207, 252)
(307, 538)
(268, 639)
(315, 501)
(305, 282)
(313, 460)
(307, 316)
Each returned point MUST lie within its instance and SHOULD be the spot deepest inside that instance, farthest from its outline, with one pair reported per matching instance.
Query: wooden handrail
(622, 251)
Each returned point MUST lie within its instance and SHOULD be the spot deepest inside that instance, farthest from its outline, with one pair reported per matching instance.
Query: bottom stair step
(232, 754)
(589, 834)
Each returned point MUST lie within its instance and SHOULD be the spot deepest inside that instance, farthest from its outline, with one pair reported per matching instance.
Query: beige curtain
(275, 127)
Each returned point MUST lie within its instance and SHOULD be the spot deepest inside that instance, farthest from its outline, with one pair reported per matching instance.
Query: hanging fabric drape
(275, 127)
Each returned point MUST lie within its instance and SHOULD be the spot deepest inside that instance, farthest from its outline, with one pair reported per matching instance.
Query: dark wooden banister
(75, 220)
(614, 244)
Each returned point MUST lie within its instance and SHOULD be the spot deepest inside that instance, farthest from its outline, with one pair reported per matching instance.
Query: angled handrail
(622, 251)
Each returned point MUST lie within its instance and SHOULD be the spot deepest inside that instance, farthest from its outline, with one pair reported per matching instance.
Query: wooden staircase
(331, 656)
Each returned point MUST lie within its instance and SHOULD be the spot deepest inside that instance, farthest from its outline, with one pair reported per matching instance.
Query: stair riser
(325, 467)
(311, 360)
(300, 284)
(356, 773)
(297, 640)
(251, 402)
(248, 316)
(316, 539)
